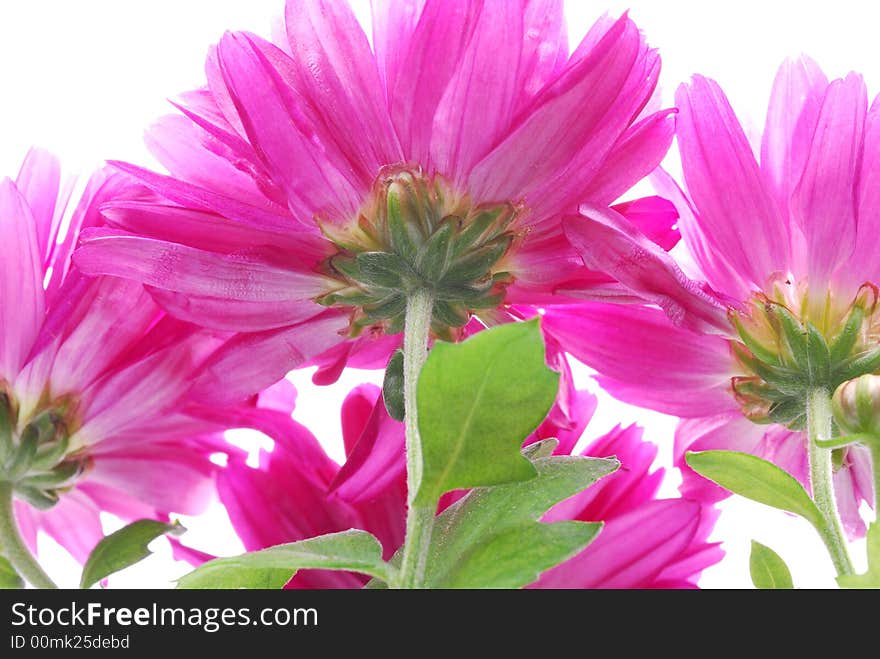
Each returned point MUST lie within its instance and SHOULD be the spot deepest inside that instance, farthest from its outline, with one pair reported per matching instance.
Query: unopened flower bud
(856, 405)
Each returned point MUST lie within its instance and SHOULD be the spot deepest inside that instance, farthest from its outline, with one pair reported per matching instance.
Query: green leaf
(352, 550)
(392, 387)
(492, 538)
(124, 548)
(477, 401)
(871, 578)
(756, 479)
(768, 570)
(9, 579)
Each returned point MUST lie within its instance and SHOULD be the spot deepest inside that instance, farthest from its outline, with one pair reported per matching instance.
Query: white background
(85, 78)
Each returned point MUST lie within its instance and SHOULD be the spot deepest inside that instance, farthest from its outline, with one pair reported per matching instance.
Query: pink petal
(711, 264)
(795, 103)
(566, 116)
(249, 277)
(193, 196)
(394, 22)
(377, 461)
(21, 280)
(39, 181)
(423, 65)
(337, 73)
(545, 46)
(609, 243)
(357, 408)
(278, 131)
(656, 217)
(824, 200)
(635, 155)
(74, 523)
(248, 363)
(644, 359)
(632, 550)
(212, 232)
(171, 476)
(853, 484)
(475, 111)
(864, 264)
(738, 215)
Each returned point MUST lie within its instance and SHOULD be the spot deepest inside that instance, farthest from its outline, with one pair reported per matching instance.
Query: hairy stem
(819, 428)
(419, 519)
(12, 545)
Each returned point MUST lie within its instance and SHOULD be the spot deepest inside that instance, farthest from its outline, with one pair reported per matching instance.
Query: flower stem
(419, 519)
(819, 428)
(12, 546)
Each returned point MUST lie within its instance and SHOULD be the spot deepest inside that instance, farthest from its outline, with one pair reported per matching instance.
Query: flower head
(316, 183)
(773, 291)
(93, 376)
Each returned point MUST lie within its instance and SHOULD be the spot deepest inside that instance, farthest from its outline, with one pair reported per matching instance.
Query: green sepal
(392, 387)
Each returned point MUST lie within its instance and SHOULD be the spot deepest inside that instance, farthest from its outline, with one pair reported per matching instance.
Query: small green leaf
(756, 479)
(477, 401)
(492, 538)
(124, 548)
(516, 557)
(352, 550)
(392, 387)
(768, 570)
(871, 578)
(9, 579)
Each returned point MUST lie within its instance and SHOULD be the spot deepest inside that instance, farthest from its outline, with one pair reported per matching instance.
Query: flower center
(792, 342)
(34, 453)
(415, 233)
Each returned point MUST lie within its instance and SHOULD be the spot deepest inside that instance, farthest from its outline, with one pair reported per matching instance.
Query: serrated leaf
(768, 570)
(871, 578)
(477, 401)
(352, 550)
(9, 579)
(123, 548)
(756, 479)
(502, 521)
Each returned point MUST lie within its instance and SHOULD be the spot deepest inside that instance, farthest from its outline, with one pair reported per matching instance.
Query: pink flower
(315, 184)
(784, 241)
(97, 368)
(298, 492)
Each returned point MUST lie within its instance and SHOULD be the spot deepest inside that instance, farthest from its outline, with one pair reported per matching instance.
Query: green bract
(768, 570)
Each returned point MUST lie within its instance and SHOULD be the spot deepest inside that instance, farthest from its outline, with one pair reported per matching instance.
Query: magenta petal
(738, 215)
(21, 281)
(477, 106)
(74, 523)
(824, 200)
(634, 156)
(607, 242)
(394, 22)
(794, 108)
(545, 46)
(248, 363)
(864, 264)
(377, 461)
(274, 123)
(357, 408)
(183, 269)
(632, 550)
(338, 75)
(568, 114)
(644, 359)
(38, 181)
(656, 217)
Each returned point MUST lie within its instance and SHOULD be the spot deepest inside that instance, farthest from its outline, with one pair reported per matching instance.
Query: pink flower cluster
(305, 183)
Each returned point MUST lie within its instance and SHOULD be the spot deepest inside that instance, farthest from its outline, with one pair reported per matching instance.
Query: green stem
(819, 417)
(13, 546)
(419, 519)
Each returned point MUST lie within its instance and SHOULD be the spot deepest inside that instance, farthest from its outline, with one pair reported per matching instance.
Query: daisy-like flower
(93, 377)
(772, 293)
(317, 184)
(298, 492)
